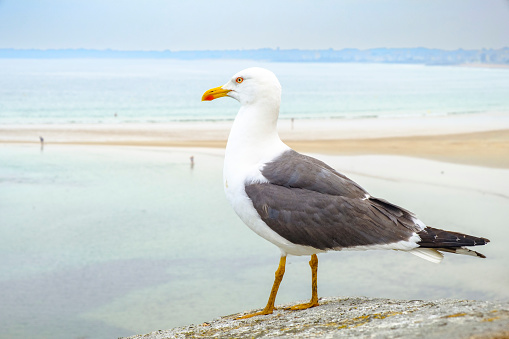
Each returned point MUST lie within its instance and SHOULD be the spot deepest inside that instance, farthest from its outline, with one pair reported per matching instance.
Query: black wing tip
(477, 254)
(462, 251)
(480, 255)
(436, 238)
(479, 240)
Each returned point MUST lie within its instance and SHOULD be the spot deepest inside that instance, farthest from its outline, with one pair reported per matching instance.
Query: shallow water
(101, 242)
(139, 90)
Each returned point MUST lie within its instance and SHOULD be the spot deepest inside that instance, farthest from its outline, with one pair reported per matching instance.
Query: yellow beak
(214, 93)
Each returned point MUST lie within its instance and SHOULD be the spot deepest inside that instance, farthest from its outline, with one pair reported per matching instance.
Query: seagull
(302, 205)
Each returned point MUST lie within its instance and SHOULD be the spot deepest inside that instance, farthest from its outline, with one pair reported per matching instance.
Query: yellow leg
(314, 289)
(272, 298)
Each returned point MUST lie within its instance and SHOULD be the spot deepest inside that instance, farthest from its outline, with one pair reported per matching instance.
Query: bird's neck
(254, 134)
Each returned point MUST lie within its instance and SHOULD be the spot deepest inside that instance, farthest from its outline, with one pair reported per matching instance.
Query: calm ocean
(140, 90)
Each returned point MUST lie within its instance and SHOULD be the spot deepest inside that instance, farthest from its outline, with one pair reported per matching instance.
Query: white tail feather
(429, 254)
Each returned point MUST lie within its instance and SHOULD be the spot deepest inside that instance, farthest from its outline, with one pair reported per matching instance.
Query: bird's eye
(239, 80)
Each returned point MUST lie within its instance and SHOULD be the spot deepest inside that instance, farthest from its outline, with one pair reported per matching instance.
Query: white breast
(242, 169)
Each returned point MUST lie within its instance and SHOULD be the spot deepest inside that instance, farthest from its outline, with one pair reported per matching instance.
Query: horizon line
(246, 49)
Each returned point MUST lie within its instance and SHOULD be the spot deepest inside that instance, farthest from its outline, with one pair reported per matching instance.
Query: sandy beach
(490, 149)
(477, 139)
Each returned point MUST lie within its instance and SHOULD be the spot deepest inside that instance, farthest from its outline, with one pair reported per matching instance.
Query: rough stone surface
(361, 318)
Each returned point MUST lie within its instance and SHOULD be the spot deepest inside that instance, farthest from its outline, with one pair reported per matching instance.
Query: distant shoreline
(418, 55)
(481, 65)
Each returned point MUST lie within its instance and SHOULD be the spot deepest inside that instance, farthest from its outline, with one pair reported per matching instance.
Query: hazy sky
(239, 24)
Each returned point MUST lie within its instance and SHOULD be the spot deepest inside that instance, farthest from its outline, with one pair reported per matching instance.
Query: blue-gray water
(95, 90)
(101, 242)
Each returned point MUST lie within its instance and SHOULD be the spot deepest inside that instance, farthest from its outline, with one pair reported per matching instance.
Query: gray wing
(295, 170)
(309, 203)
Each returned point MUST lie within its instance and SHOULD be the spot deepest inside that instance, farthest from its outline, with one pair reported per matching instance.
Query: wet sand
(490, 149)
(481, 140)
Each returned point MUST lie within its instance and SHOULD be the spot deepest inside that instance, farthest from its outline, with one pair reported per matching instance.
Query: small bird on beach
(301, 204)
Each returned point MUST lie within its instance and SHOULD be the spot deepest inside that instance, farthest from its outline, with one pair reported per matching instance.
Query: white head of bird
(255, 126)
(251, 86)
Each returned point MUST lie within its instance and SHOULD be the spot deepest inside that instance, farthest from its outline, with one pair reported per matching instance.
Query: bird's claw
(304, 306)
(250, 315)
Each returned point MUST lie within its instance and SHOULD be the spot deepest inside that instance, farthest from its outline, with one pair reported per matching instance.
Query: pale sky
(239, 24)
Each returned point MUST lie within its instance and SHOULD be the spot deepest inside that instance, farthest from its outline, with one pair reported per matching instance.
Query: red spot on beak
(209, 98)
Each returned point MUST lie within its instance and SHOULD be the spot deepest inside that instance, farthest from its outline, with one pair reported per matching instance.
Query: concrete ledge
(361, 318)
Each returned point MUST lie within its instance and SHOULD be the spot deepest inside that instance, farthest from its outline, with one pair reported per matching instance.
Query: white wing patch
(429, 254)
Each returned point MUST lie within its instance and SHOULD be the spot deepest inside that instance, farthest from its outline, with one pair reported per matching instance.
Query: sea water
(140, 90)
(102, 242)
